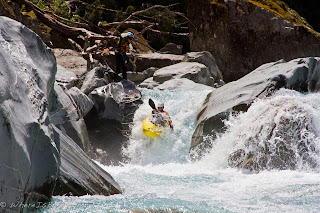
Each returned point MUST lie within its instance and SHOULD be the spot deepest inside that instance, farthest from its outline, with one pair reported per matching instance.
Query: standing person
(122, 59)
(162, 116)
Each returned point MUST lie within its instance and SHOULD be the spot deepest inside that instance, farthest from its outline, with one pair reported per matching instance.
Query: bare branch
(143, 11)
(168, 33)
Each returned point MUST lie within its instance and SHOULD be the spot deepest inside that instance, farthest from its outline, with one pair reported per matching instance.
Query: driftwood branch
(143, 11)
(89, 39)
(168, 33)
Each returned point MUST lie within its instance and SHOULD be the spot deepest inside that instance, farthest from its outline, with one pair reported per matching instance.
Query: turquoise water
(161, 178)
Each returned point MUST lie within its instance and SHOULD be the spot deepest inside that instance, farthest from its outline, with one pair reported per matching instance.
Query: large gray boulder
(29, 156)
(108, 122)
(183, 84)
(299, 74)
(208, 60)
(95, 78)
(78, 174)
(65, 78)
(243, 35)
(117, 100)
(194, 71)
(72, 106)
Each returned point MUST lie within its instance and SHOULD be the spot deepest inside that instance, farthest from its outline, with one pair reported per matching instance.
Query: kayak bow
(150, 129)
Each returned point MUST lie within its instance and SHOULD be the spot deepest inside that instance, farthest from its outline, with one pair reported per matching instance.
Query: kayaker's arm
(170, 124)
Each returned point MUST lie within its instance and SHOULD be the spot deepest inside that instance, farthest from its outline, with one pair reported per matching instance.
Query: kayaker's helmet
(161, 105)
(131, 34)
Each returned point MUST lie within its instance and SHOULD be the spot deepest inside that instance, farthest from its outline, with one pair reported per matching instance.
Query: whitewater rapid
(161, 176)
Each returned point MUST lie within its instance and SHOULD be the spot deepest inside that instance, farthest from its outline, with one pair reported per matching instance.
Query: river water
(160, 177)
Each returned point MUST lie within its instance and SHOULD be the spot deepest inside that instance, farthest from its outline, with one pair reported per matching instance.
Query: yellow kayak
(150, 129)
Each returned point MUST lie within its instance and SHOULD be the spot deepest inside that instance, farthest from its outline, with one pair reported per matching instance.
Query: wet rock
(82, 102)
(69, 113)
(29, 155)
(117, 100)
(236, 96)
(108, 122)
(31, 144)
(78, 174)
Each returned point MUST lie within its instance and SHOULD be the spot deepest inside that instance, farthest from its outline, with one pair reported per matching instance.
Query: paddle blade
(151, 103)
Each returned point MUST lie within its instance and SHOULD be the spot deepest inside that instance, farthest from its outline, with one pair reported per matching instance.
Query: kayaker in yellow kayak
(161, 117)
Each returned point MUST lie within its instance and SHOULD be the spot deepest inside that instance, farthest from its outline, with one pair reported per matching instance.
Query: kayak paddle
(151, 103)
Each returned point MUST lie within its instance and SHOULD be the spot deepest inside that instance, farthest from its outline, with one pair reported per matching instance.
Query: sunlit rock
(208, 60)
(108, 122)
(72, 106)
(65, 78)
(95, 78)
(298, 74)
(29, 159)
(183, 84)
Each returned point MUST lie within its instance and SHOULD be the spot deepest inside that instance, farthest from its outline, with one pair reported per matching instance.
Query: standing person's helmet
(130, 33)
(161, 105)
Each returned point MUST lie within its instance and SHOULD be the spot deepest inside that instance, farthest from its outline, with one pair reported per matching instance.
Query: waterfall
(280, 132)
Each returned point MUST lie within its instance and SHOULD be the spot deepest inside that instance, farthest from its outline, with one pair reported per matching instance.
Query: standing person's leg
(124, 65)
(118, 62)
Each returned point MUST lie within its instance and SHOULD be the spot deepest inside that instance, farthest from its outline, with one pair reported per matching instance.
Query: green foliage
(40, 3)
(130, 9)
(166, 20)
(61, 8)
(94, 15)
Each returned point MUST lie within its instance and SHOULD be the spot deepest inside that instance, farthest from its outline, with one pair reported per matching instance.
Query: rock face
(29, 155)
(299, 74)
(94, 79)
(194, 71)
(182, 84)
(31, 161)
(208, 60)
(79, 175)
(242, 36)
(117, 100)
(72, 106)
(114, 107)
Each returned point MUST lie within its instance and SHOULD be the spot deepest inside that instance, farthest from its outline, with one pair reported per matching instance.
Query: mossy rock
(281, 9)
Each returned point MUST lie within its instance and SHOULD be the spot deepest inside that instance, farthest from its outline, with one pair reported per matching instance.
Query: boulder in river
(30, 157)
(194, 71)
(78, 174)
(299, 74)
(31, 149)
(108, 122)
